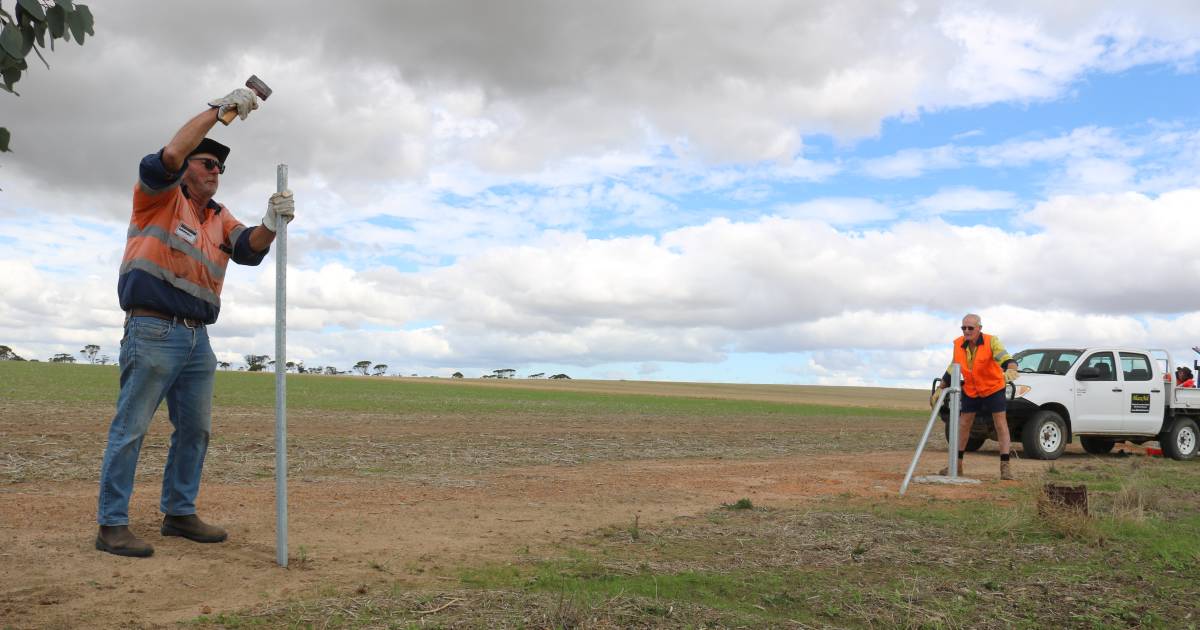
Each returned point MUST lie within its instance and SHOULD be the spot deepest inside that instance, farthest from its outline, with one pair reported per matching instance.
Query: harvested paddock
(560, 503)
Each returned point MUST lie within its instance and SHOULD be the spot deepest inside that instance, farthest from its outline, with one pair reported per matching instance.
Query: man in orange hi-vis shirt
(986, 368)
(179, 242)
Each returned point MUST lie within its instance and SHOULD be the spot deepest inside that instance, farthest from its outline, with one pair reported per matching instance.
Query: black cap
(208, 145)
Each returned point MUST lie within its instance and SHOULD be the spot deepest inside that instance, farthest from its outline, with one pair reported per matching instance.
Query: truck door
(1144, 397)
(1100, 399)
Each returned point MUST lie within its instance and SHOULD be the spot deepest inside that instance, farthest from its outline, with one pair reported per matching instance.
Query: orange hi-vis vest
(168, 241)
(983, 377)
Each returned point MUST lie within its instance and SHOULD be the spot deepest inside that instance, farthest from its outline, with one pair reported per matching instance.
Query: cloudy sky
(771, 192)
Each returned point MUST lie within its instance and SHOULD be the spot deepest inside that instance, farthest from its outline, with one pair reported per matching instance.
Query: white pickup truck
(1100, 395)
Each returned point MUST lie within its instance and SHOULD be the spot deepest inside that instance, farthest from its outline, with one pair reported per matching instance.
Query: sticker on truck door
(1139, 403)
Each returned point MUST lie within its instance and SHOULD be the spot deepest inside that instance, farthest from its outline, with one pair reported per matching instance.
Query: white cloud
(913, 162)
(699, 292)
(452, 159)
(966, 199)
(839, 211)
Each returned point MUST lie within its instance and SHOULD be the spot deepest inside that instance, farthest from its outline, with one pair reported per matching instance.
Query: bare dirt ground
(359, 526)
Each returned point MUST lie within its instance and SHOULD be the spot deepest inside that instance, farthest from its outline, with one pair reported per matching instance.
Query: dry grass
(1135, 501)
(483, 609)
(869, 397)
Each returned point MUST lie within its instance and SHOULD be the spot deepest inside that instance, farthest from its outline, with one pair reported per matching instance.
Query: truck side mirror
(1087, 374)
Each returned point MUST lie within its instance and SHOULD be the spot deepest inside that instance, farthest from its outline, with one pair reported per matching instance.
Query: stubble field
(437, 503)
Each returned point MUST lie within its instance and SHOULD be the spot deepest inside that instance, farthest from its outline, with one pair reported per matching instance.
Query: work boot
(118, 540)
(946, 471)
(1006, 473)
(192, 528)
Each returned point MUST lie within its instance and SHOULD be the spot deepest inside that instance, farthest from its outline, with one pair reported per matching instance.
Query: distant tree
(379, 369)
(560, 376)
(316, 369)
(7, 354)
(62, 357)
(504, 373)
(331, 370)
(224, 365)
(290, 366)
(256, 362)
(25, 30)
(362, 367)
(456, 375)
(90, 352)
(538, 375)
(104, 359)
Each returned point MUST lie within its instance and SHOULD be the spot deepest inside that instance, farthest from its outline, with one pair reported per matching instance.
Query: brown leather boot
(118, 540)
(1006, 473)
(192, 528)
(946, 471)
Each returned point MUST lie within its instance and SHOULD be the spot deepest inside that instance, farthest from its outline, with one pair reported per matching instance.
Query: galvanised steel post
(952, 421)
(281, 522)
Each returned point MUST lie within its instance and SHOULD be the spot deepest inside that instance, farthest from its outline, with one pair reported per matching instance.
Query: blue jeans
(159, 359)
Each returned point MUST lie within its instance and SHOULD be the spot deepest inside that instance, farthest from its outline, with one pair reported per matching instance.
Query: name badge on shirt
(186, 233)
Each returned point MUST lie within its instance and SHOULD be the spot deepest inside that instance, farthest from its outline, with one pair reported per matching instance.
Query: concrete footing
(945, 480)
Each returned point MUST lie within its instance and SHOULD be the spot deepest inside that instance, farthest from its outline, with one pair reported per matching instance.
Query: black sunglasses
(969, 327)
(209, 164)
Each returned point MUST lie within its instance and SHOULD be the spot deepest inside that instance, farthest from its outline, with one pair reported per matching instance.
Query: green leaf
(65, 4)
(86, 15)
(41, 35)
(56, 17)
(75, 22)
(34, 9)
(38, 52)
(4, 138)
(10, 75)
(27, 35)
(12, 41)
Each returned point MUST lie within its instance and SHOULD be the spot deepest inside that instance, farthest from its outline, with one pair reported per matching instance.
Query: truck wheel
(1180, 442)
(1097, 446)
(1045, 435)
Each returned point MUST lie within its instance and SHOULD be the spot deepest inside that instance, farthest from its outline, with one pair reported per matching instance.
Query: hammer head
(259, 86)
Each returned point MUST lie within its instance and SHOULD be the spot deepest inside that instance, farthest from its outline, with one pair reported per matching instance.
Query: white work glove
(241, 99)
(1010, 375)
(280, 207)
(933, 398)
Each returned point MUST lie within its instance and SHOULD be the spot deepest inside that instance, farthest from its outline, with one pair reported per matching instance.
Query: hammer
(258, 86)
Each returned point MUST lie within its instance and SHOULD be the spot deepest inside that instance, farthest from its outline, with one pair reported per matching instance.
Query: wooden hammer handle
(228, 116)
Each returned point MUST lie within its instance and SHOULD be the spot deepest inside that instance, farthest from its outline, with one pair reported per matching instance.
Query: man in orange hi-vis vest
(986, 368)
(178, 245)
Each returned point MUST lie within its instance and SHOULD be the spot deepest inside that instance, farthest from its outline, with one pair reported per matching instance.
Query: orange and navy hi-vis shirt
(982, 365)
(176, 251)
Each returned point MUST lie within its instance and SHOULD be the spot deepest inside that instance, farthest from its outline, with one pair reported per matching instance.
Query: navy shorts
(995, 403)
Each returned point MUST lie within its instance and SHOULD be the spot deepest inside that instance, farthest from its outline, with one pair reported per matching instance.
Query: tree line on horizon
(261, 362)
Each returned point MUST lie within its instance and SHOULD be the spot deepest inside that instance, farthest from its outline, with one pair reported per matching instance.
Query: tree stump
(1063, 498)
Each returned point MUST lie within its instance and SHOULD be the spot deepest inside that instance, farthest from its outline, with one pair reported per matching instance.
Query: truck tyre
(1097, 446)
(1180, 441)
(973, 443)
(1045, 435)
